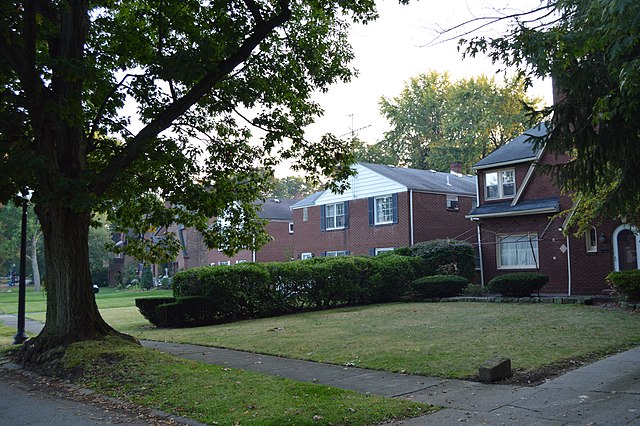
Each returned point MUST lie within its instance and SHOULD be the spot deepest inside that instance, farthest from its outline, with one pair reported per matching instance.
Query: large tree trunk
(72, 313)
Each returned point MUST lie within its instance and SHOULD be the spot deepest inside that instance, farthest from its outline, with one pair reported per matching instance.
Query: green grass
(219, 395)
(434, 339)
(107, 298)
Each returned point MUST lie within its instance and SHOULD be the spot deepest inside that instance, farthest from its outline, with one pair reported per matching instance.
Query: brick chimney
(456, 167)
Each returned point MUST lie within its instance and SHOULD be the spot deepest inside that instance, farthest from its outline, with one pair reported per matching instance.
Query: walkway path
(607, 391)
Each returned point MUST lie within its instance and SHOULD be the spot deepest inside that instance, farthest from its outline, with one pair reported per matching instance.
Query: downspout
(480, 255)
(569, 266)
(411, 217)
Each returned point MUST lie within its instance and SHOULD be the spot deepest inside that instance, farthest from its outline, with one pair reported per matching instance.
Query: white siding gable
(366, 183)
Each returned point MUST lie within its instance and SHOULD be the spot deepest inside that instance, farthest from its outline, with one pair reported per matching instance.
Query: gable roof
(308, 201)
(427, 180)
(517, 150)
(276, 209)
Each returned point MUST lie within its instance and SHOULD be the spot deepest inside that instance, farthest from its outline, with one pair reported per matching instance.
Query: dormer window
(500, 184)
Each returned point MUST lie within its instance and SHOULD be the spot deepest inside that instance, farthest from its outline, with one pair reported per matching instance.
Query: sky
(392, 49)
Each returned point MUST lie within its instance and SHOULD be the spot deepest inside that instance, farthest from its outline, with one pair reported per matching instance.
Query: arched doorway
(626, 247)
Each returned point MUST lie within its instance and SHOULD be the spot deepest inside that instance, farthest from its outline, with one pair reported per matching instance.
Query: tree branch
(136, 146)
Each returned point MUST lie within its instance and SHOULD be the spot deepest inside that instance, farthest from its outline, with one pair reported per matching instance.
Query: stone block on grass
(495, 369)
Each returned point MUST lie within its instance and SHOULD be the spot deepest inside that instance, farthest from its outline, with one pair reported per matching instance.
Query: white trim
(614, 243)
(507, 163)
(375, 209)
(306, 255)
(531, 236)
(291, 227)
(481, 259)
(591, 248)
(335, 253)
(377, 251)
(568, 267)
(411, 217)
(524, 184)
(516, 213)
(335, 216)
(500, 185)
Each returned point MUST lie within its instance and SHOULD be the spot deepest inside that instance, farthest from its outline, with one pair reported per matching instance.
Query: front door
(626, 246)
(627, 254)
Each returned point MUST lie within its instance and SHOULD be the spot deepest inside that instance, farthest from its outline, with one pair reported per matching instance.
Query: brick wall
(432, 220)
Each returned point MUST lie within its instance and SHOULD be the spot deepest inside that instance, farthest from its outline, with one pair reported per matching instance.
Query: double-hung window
(500, 184)
(384, 210)
(518, 251)
(334, 216)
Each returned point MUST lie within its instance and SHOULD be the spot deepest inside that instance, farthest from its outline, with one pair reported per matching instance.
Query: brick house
(194, 252)
(520, 230)
(385, 207)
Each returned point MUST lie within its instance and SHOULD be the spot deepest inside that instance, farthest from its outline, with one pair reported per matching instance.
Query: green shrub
(146, 278)
(188, 311)
(446, 257)
(391, 276)
(240, 291)
(147, 307)
(521, 284)
(626, 283)
(474, 290)
(437, 286)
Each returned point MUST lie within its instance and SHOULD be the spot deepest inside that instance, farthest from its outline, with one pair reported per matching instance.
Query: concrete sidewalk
(607, 391)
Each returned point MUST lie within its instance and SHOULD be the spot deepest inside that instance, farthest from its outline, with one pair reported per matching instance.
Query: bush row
(520, 284)
(216, 294)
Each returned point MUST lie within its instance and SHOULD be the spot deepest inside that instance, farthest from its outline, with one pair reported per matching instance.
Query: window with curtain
(384, 209)
(518, 251)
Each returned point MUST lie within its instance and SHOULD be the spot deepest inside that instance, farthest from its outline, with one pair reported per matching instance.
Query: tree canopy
(146, 112)
(591, 49)
(435, 121)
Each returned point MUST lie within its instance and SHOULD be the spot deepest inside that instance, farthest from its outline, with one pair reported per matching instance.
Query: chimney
(456, 167)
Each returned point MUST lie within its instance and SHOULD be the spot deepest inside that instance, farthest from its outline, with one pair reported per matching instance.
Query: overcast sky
(393, 49)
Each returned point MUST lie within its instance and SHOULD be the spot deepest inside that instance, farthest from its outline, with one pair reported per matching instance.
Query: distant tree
(591, 49)
(435, 121)
(291, 187)
(99, 240)
(10, 240)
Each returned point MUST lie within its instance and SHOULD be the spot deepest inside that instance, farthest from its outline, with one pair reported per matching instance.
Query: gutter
(481, 260)
(410, 217)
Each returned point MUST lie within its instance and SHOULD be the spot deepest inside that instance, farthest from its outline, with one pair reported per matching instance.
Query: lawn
(434, 339)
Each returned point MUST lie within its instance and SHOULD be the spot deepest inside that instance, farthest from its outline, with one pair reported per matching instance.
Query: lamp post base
(20, 337)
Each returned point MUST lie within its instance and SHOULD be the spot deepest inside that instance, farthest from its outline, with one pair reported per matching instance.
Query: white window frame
(382, 250)
(291, 227)
(387, 212)
(453, 203)
(305, 214)
(335, 253)
(305, 256)
(224, 263)
(334, 216)
(241, 261)
(530, 239)
(500, 184)
(591, 240)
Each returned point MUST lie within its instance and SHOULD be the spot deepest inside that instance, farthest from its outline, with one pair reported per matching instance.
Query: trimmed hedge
(147, 307)
(521, 284)
(437, 286)
(626, 283)
(446, 257)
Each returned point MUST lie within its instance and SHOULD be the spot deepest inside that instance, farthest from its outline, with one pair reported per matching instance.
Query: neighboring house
(520, 230)
(385, 207)
(280, 227)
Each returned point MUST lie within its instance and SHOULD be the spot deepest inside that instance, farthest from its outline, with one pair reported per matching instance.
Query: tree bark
(72, 312)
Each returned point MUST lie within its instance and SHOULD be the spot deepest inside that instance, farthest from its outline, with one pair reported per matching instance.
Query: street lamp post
(21, 336)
